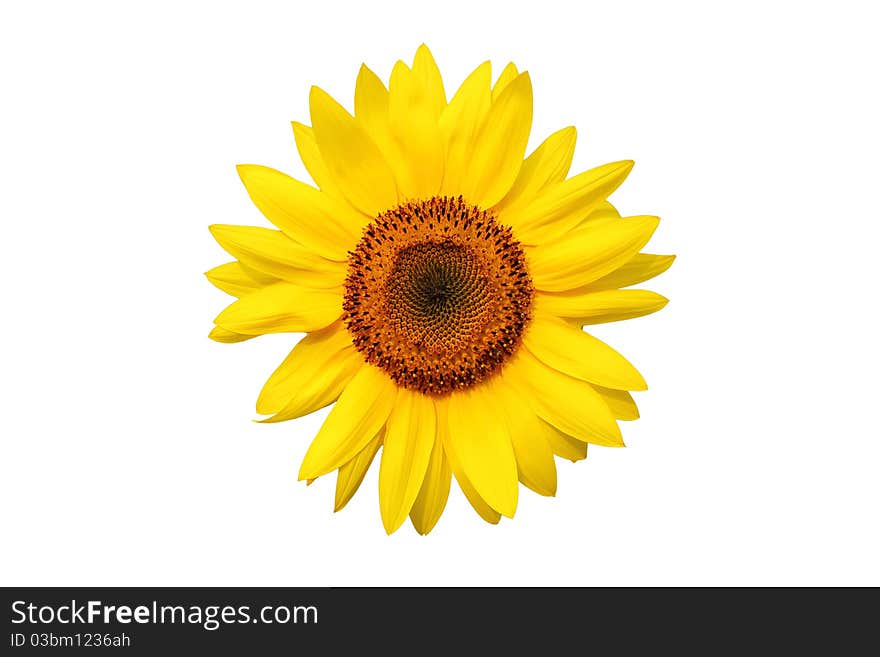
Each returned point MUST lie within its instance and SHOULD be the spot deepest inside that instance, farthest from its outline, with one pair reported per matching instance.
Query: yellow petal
(507, 76)
(603, 210)
(412, 115)
(312, 160)
(620, 402)
(431, 500)
(352, 158)
(426, 71)
(237, 280)
(409, 440)
(354, 421)
(313, 375)
(568, 349)
(275, 254)
(588, 253)
(562, 206)
(546, 166)
(572, 406)
(479, 505)
(600, 307)
(637, 269)
(282, 308)
(565, 446)
(528, 435)
(219, 334)
(371, 109)
(481, 443)
(371, 102)
(310, 217)
(351, 474)
(460, 123)
(499, 148)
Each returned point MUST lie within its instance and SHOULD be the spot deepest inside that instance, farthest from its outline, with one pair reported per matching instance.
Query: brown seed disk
(437, 294)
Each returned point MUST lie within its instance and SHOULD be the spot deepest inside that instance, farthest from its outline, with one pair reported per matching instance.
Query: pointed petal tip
(391, 527)
(399, 65)
(221, 231)
(422, 530)
(648, 223)
(304, 473)
(614, 438)
(218, 334)
(262, 408)
(244, 170)
(270, 420)
(316, 95)
(508, 510)
(640, 384)
(620, 168)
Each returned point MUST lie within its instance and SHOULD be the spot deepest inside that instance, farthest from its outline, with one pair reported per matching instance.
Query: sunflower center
(437, 295)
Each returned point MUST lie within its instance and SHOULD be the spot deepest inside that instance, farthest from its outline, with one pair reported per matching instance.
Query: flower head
(442, 281)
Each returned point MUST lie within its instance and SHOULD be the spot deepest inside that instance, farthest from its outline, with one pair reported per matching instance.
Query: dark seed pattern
(437, 295)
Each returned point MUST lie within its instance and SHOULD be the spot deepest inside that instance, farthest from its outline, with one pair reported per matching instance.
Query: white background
(129, 454)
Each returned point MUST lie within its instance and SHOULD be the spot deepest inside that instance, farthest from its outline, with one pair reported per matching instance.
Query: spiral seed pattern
(437, 294)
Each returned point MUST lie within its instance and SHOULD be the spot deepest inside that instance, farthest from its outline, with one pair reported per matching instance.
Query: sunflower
(442, 280)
